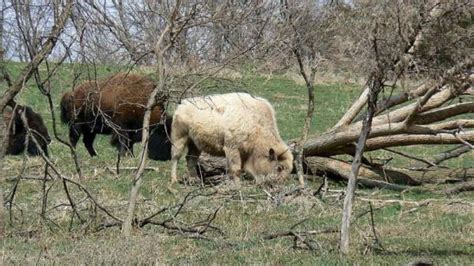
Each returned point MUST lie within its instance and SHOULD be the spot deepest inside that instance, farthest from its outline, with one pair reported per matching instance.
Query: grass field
(409, 225)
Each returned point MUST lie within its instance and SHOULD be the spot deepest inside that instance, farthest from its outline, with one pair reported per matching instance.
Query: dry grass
(326, 77)
(435, 231)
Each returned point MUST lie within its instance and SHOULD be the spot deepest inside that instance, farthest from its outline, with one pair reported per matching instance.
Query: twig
(401, 202)
(200, 227)
(301, 236)
(298, 236)
(463, 141)
(156, 169)
(372, 223)
(310, 232)
(48, 163)
(323, 188)
(410, 156)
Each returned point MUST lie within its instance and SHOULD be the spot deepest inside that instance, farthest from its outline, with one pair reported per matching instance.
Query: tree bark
(449, 154)
(3, 150)
(309, 80)
(355, 109)
(467, 186)
(369, 176)
(3, 132)
(375, 87)
(337, 170)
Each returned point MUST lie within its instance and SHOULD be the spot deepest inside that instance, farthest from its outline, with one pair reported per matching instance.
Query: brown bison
(115, 105)
(236, 125)
(17, 131)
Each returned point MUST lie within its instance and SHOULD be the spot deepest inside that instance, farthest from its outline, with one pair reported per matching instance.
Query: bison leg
(132, 138)
(177, 151)
(34, 150)
(234, 162)
(88, 140)
(192, 159)
(123, 144)
(74, 135)
(16, 143)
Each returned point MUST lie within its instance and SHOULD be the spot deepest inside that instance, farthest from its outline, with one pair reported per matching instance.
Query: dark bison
(115, 105)
(17, 131)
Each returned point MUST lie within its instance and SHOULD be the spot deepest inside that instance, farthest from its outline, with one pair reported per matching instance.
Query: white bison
(238, 126)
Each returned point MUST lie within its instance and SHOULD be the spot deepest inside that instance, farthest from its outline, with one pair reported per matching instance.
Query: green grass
(441, 231)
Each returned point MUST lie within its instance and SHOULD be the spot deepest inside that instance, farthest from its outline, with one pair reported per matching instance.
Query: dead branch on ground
(302, 239)
(173, 224)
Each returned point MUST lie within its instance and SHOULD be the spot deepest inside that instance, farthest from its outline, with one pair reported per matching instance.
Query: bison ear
(271, 155)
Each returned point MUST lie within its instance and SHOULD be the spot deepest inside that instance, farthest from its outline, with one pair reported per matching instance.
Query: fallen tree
(425, 115)
(213, 169)
(430, 114)
(426, 95)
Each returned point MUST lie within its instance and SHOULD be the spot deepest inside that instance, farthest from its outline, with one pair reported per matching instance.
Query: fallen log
(424, 120)
(210, 167)
(337, 170)
(465, 186)
(439, 175)
(340, 169)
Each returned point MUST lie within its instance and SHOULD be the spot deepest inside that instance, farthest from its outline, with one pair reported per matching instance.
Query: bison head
(276, 165)
(18, 133)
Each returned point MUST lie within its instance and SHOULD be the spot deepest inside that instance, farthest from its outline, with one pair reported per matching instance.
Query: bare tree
(426, 119)
(61, 14)
(386, 69)
(389, 43)
(395, 42)
(412, 40)
(307, 26)
(174, 19)
(162, 46)
(3, 127)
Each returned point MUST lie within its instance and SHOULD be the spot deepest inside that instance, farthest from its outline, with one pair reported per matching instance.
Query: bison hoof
(171, 189)
(235, 184)
(174, 179)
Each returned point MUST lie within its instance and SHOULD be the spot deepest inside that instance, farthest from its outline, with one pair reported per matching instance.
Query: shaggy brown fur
(17, 131)
(113, 105)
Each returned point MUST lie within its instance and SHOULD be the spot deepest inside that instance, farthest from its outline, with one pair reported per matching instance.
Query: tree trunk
(3, 146)
(213, 168)
(467, 186)
(3, 132)
(138, 178)
(339, 170)
(376, 84)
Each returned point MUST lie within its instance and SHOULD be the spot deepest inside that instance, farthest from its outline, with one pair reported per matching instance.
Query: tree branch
(48, 46)
(406, 140)
(444, 113)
